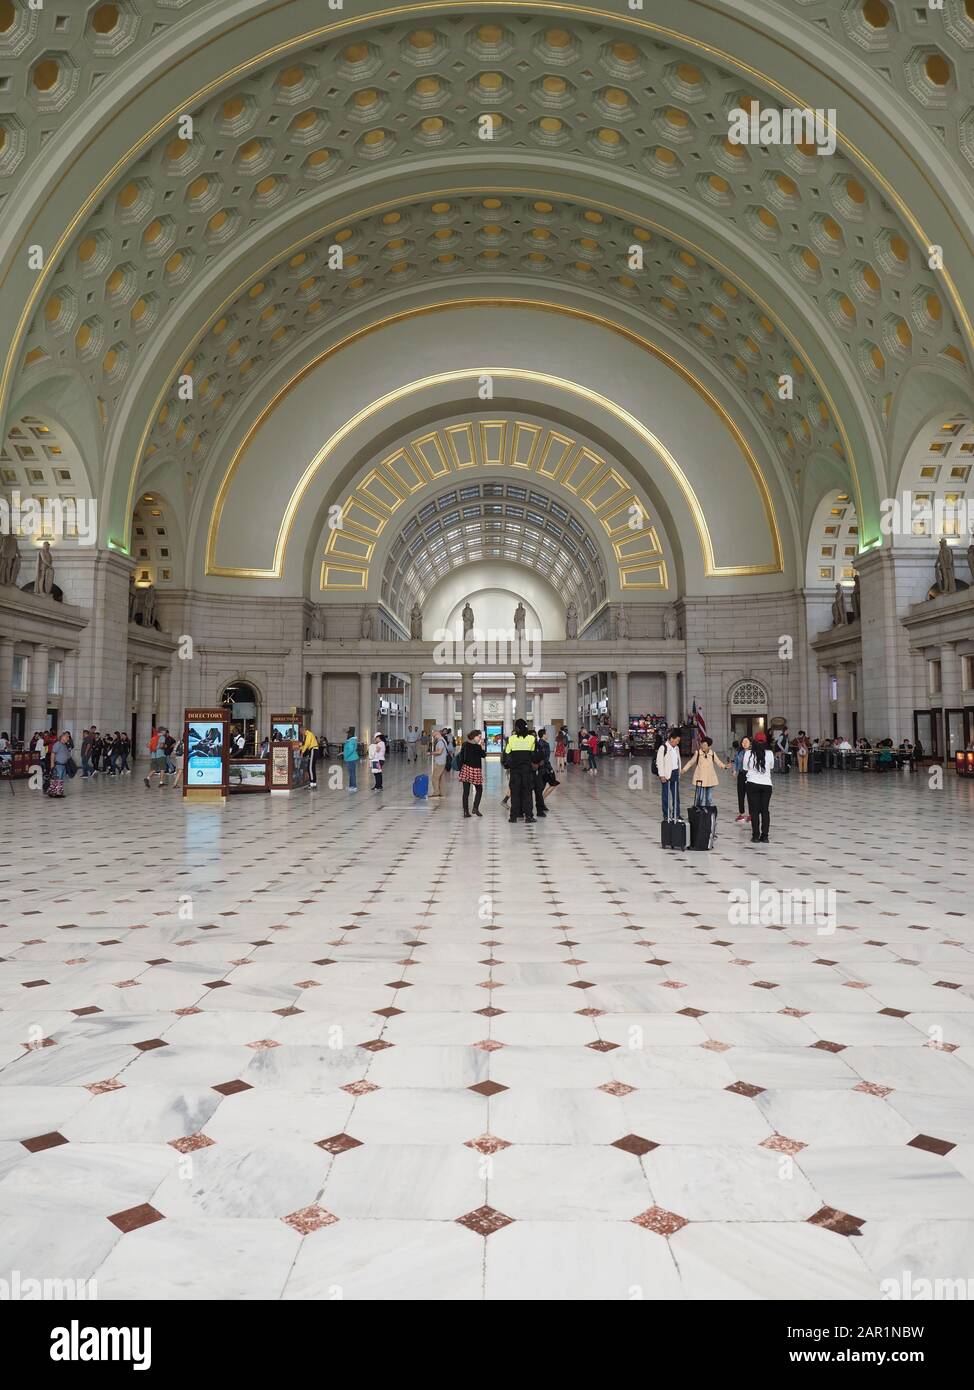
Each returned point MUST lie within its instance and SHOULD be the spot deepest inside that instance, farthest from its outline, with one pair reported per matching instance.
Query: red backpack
(154, 742)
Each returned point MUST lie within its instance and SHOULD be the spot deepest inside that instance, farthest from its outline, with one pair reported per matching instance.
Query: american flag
(699, 722)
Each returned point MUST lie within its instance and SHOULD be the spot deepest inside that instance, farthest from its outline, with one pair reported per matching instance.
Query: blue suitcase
(421, 785)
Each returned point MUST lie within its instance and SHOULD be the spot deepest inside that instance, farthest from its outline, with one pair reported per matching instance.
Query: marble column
(478, 710)
(620, 712)
(164, 713)
(466, 699)
(6, 683)
(825, 704)
(508, 712)
(538, 710)
(317, 706)
(844, 707)
(672, 699)
(571, 700)
(143, 723)
(37, 695)
(366, 707)
(520, 695)
(950, 686)
(416, 699)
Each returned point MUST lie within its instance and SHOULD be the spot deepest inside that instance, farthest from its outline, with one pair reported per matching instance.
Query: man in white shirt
(412, 743)
(668, 772)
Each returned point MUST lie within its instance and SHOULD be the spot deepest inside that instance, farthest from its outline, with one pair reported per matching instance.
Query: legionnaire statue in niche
(571, 621)
(9, 560)
(838, 608)
(44, 582)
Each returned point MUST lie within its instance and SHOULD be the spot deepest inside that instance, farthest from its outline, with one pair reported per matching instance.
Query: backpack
(154, 743)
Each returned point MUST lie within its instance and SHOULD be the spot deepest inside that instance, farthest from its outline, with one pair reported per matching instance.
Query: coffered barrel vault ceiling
(214, 257)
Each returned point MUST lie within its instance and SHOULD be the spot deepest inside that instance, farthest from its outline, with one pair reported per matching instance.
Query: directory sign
(205, 738)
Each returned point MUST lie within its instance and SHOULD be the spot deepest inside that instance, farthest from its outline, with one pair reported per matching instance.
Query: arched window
(748, 697)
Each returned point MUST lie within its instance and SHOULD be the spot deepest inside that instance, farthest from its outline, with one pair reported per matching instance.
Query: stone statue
(856, 600)
(44, 583)
(416, 622)
(366, 629)
(9, 560)
(467, 616)
(838, 607)
(520, 617)
(571, 621)
(622, 623)
(147, 606)
(135, 598)
(670, 624)
(317, 624)
(944, 577)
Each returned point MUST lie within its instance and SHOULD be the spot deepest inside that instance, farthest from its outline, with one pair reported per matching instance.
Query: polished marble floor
(334, 1046)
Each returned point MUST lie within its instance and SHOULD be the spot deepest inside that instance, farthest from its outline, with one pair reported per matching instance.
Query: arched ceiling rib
(400, 95)
(516, 239)
(476, 521)
(579, 94)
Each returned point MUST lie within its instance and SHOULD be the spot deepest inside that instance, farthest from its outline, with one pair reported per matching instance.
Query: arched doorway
(242, 701)
(748, 702)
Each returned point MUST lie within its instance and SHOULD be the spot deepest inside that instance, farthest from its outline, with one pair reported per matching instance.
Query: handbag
(71, 767)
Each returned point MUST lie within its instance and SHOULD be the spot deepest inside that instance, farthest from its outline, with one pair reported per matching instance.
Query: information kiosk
(205, 739)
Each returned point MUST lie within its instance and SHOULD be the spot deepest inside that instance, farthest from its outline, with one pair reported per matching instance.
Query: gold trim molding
(440, 456)
(629, 421)
(429, 7)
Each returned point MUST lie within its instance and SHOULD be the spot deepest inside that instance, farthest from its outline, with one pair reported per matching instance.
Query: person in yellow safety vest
(309, 749)
(519, 753)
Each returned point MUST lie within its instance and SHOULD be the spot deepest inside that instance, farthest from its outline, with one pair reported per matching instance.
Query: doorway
(747, 725)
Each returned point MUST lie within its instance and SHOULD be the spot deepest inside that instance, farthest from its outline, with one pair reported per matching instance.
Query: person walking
(471, 761)
(592, 743)
(704, 763)
(439, 752)
(758, 762)
(61, 765)
(544, 777)
(561, 750)
(350, 757)
(157, 757)
(413, 736)
(87, 739)
(738, 765)
(519, 754)
(309, 750)
(668, 772)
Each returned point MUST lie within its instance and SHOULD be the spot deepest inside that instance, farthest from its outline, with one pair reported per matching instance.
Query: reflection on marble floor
(358, 1047)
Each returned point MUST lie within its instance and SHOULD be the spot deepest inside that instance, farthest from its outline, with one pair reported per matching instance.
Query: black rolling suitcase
(703, 826)
(673, 831)
(815, 761)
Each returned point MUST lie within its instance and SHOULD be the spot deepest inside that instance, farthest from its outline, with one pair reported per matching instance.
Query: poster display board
(493, 736)
(288, 771)
(205, 739)
(248, 775)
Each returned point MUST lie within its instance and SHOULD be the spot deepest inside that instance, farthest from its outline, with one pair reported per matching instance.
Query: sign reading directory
(205, 739)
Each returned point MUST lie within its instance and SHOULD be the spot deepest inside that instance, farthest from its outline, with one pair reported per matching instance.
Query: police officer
(519, 755)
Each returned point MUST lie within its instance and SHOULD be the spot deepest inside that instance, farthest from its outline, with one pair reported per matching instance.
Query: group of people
(753, 764)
